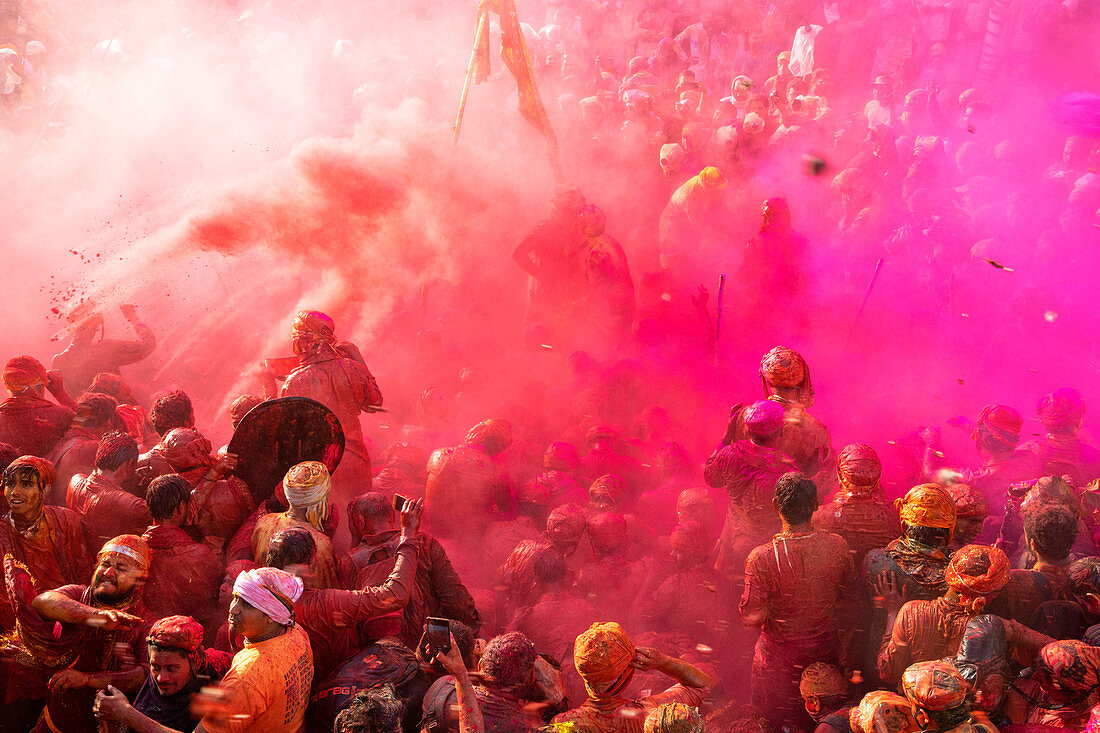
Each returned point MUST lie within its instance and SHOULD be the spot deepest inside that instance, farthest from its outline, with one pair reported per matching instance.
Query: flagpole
(482, 28)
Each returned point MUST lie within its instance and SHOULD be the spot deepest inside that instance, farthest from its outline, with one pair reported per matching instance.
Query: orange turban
(883, 712)
(712, 179)
(129, 546)
(934, 685)
(858, 468)
(316, 324)
(978, 570)
(1073, 664)
(674, 717)
(822, 679)
(603, 655)
(969, 502)
(47, 474)
(927, 505)
(783, 367)
(22, 373)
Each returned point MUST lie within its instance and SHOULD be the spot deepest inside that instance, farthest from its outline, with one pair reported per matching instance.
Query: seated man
(178, 667)
(606, 659)
(553, 621)
(184, 575)
(101, 498)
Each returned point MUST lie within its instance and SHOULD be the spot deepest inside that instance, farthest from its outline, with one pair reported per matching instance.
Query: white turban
(307, 486)
(271, 590)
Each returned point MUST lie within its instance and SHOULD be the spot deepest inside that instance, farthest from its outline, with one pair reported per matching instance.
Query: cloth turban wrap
(934, 685)
(763, 418)
(603, 655)
(608, 488)
(592, 220)
(565, 524)
(822, 679)
(978, 570)
(307, 486)
(969, 502)
(1072, 664)
(783, 367)
(608, 531)
(712, 179)
(47, 474)
(536, 491)
(185, 448)
(180, 632)
(858, 467)
(270, 590)
(1000, 422)
(517, 573)
(927, 505)
(560, 456)
(674, 717)
(316, 324)
(1061, 408)
(22, 373)
(691, 537)
(883, 712)
(129, 546)
(696, 502)
(494, 435)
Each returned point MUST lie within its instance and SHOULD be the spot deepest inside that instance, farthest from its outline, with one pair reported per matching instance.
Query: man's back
(33, 425)
(184, 575)
(469, 484)
(107, 510)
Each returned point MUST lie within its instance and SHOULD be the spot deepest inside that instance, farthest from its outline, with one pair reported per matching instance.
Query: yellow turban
(927, 505)
(712, 179)
(603, 655)
(307, 486)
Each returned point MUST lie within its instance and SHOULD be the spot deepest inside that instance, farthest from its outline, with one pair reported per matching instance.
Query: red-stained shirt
(466, 491)
(107, 509)
(184, 575)
(33, 425)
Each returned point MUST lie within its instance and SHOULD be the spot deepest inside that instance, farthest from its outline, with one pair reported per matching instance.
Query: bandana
(822, 679)
(608, 531)
(494, 435)
(1061, 408)
(691, 537)
(47, 474)
(315, 324)
(883, 712)
(783, 367)
(969, 502)
(603, 655)
(272, 591)
(180, 632)
(1000, 422)
(609, 488)
(977, 570)
(763, 418)
(934, 685)
(924, 566)
(927, 505)
(1072, 664)
(129, 546)
(23, 373)
(674, 717)
(858, 468)
(307, 486)
(566, 524)
(185, 448)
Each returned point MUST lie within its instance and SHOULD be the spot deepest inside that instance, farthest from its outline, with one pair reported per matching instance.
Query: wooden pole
(482, 28)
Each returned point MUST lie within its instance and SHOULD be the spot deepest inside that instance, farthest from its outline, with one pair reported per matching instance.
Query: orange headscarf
(978, 570)
(927, 505)
(603, 655)
(934, 685)
(883, 712)
(858, 468)
(23, 372)
(821, 678)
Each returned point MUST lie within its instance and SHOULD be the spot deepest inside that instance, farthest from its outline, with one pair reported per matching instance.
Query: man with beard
(93, 621)
(333, 373)
(748, 470)
(85, 357)
(107, 508)
(28, 420)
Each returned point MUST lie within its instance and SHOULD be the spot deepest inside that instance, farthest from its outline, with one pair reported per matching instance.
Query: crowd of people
(574, 565)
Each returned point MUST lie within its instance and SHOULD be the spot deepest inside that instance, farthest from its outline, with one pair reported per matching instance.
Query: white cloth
(270, 590)
(802, 50)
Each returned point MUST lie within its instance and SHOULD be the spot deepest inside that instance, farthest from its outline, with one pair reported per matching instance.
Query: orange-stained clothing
(617, 715)
(324, 560)
(268, 687)
(928, 630)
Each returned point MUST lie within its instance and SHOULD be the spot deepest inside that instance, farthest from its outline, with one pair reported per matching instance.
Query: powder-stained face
(24, 496)
(170, 670)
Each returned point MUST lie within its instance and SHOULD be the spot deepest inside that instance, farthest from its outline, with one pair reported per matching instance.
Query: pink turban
(272, 591)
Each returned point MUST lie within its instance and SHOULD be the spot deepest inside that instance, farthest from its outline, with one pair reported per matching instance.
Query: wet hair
(8, 453)
(549, 567)
(930, 536)
(100, 409)
(377, 710)
(165, 494)
(172, 410)
(115, 450)
(1053, 529)
(294, 546)
(1084, 576)
(509, 660)
(26, 474)
(796, 496)
(948, 719)
(464, 637)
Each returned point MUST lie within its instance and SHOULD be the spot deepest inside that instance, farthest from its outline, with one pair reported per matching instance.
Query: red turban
(565, 524)
(47, 474)
(536, 491)
(823, 679)
(934, 685)
(608, 531)
(969, 502)
(185, 448)
(609, 488)
(691, 537)
(603, 655)
(1073, 664)
(927, 505)
(1061, 408)
(180, 632)
(560, 456)
(494, 435)
(978, 570)
(1000, 422)
(517, 573)
(316, 324)
(763, 418)
(130, 546)
(783, 367)
(22, 373)
(858, 468)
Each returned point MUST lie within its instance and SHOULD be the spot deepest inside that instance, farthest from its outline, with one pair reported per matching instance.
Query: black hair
(509, 660)
(115, 450)
(796, 496)
(930, 536)
(170, 411)
(100, 409)
(165, 494)
(377, 710)
(1053, 529)
(294, 546)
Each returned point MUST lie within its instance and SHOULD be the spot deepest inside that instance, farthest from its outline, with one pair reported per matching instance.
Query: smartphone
(399, 502)
(438, 635)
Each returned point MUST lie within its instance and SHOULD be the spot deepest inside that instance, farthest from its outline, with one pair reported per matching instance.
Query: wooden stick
(482, 28)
